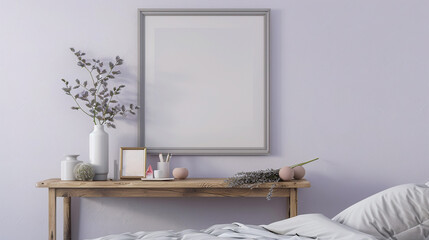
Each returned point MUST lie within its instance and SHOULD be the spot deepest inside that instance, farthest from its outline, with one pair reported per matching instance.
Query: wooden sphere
(299, 172)
(286, 173)
(180, 173)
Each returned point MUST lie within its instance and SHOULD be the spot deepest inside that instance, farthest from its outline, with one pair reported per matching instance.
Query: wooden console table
(193, 187)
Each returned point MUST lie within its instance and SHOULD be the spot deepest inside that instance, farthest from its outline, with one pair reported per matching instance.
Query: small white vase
(99, 152)
(67, 167)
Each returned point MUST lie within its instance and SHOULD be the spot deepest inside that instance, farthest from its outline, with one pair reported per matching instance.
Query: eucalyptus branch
(95, 95)
(80, 108)
(100, 96)
(90, 73)
(99, 81)
(83, 87)
(104, 112)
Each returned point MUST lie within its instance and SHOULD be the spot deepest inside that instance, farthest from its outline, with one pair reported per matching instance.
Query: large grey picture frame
(204, 81)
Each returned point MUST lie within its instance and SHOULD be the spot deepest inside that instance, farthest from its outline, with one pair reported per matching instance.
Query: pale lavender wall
(350, 83)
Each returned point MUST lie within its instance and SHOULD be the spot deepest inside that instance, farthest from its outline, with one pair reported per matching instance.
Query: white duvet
(400, 212)
(303, 227)
(218, 232)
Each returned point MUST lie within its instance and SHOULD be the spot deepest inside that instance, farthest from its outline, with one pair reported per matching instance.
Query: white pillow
(316, 226)
(400, 213)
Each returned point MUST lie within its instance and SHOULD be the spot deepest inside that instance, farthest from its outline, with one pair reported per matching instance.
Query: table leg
(67, 218)
(293, 203)
(52, 214)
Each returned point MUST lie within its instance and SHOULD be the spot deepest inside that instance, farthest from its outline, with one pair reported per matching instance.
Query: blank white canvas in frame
(133, 163)
(203, 87)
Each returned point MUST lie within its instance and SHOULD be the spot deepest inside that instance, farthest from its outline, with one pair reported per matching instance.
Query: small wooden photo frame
(133, 162)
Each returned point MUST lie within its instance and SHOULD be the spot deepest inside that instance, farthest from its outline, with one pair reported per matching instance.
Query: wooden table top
(186, 183)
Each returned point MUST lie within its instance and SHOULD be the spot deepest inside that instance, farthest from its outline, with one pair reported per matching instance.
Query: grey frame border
(141, 63)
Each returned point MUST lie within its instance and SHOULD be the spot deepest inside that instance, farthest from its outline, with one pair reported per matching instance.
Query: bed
(398, 213)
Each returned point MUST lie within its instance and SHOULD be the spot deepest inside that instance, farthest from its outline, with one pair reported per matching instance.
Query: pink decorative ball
(299, 172)
(286, 173)
(180, 173)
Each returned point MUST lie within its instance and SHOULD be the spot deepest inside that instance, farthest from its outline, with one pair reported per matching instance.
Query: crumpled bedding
(302, 227)
(216, 232)
(355, 223)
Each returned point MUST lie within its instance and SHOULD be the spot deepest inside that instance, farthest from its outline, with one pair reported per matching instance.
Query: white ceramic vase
(99, 152)
(67, 167)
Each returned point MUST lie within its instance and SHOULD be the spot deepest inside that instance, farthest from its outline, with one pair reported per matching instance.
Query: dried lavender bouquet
(255, 178)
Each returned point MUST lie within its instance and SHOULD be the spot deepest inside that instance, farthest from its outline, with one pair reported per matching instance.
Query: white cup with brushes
(164, 165)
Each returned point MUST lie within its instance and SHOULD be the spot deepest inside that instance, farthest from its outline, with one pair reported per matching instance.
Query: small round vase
(180, 173)
(67, 166)
(99, 152)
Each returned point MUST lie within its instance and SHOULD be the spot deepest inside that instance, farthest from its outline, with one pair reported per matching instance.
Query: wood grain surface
(187, 183)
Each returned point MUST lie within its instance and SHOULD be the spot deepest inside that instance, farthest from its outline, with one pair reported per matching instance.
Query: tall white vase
(99, 152)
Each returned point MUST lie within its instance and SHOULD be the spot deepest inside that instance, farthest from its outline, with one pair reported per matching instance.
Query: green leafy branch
(97, 100)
